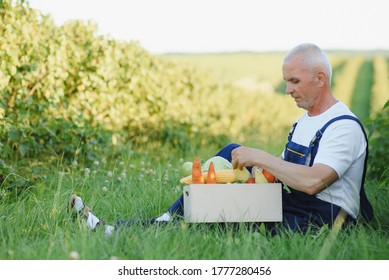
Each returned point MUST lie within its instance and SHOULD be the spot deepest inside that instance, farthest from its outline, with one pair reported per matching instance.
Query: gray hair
(313, 58)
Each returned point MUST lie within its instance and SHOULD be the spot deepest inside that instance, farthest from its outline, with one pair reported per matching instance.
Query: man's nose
(289, 88)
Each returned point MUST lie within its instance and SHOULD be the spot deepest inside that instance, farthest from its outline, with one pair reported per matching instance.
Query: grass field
(38, 226)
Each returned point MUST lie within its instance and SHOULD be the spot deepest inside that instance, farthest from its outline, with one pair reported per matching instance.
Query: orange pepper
(250, 180)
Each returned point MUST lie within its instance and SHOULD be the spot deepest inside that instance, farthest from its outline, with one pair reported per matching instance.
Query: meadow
(113, 123)
(140, 185)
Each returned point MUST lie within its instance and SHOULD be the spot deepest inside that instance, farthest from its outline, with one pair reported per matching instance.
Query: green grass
(36, 224)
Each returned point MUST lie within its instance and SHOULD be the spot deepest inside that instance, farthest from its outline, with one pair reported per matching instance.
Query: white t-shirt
(341, 147)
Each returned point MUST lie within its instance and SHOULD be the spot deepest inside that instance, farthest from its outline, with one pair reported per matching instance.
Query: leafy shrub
(379, 145)
(66, 76)
(54, 137)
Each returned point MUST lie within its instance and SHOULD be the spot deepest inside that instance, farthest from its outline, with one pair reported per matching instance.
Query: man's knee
(225, 152)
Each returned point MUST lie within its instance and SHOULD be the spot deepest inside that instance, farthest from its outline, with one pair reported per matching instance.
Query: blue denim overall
(301, 209)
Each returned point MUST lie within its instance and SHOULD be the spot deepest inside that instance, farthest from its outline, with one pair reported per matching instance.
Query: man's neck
(322, 105)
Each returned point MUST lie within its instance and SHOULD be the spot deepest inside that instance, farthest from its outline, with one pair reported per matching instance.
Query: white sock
(78, 204)
(92, 221)
(164, 218)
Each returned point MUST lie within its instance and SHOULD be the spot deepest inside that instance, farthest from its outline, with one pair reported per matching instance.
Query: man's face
(300, 82)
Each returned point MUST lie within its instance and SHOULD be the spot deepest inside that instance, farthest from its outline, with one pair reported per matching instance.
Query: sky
(198, 26)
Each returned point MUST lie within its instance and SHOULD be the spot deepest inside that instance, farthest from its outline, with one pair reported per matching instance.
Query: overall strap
(314, 145)
(291, 132)
(365, 206)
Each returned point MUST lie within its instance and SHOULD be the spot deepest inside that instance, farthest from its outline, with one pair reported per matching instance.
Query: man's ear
(321, 78)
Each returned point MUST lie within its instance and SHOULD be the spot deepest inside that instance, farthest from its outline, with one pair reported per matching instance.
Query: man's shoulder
(340, 109)
(342, 116)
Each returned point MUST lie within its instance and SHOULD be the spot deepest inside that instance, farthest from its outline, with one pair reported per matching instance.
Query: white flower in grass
(104, 160)
(74, 163)
(87, 171)
(3, 193)
(169, 165)
(73, 255)
(121, 163)
(109, 174)
(94, 172)
(132, 166)
(104, 189)
(96, 162)
(123, 175)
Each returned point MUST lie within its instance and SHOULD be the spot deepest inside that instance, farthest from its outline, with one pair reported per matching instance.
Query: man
(324, 162)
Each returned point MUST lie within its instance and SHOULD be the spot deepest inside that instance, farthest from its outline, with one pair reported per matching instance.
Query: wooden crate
(210, 203)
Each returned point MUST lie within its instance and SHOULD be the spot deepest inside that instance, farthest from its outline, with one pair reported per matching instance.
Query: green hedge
(379, 145)
(58, 81)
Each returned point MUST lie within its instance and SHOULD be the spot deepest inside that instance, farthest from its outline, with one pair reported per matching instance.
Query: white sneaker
(164, 218)
(109, 230)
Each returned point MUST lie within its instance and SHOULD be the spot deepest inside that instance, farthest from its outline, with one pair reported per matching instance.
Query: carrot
(269, 177)
(211, 176)
(250, 180)
(197, 175)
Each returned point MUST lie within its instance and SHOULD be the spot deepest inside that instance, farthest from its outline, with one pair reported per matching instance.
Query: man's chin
(301, 105)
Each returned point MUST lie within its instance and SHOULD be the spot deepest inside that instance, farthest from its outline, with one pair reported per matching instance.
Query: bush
(379, 145)
(55, 80)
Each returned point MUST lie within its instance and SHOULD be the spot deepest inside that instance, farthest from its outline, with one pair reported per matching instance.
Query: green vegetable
(218, 162)
(187, 168)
